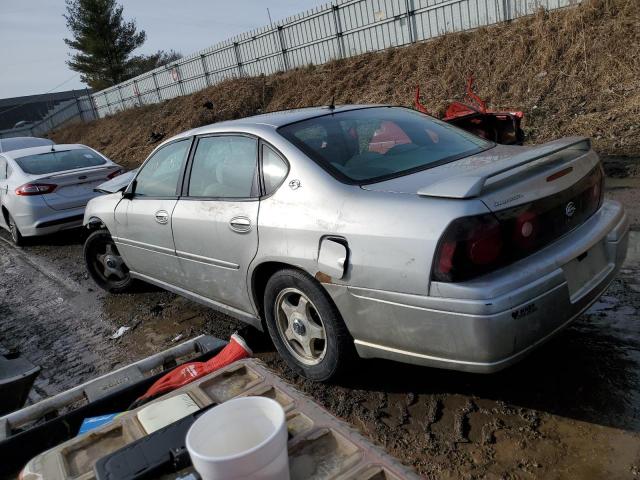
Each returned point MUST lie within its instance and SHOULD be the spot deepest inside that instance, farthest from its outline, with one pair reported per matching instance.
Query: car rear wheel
(104, 263)
(16, 236)
(306, 327)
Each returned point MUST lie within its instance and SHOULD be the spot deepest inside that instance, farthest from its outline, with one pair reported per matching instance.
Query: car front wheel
(104, 263)
(306, 327)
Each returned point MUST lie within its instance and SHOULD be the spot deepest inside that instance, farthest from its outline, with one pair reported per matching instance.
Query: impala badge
(570, 209)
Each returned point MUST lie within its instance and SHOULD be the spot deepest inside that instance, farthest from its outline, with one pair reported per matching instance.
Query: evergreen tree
(104, 41)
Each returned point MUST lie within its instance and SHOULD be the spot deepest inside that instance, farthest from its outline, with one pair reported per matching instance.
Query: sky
(33, 53)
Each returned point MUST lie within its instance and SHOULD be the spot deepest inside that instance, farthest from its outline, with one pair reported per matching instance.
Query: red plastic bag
(235, 350)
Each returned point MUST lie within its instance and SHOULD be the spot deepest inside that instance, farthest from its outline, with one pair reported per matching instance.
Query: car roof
(17, 143)
(272, 120)
(23, 152)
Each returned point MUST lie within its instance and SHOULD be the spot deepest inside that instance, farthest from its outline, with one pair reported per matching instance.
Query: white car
(45, 189)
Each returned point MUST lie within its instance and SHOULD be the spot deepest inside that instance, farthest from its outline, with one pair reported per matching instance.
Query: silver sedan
(45, 189)
(367, 230)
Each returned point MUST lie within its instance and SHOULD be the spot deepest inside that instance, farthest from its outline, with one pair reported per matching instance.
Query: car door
(143, 216)
(215, 220)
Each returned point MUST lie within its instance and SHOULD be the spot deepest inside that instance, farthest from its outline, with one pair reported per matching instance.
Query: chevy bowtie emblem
(570, 209)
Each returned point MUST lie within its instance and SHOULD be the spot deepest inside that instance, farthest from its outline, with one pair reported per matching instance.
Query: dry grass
(573, 72)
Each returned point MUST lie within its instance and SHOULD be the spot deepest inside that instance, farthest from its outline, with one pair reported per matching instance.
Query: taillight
(35, 189)
(469, 247)
(115, 174)
(473, 246)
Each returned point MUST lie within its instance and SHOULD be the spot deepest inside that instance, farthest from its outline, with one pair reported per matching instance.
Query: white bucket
(241, 438)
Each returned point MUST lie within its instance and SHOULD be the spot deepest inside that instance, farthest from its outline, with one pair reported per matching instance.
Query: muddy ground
(569, 410)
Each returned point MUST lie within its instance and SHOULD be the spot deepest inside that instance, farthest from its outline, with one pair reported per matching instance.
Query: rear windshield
(51, 162)
(372, 144)
(17, 143)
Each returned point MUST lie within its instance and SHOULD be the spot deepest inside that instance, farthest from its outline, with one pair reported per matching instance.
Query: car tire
(298, 311)
(104, 263)
(16, 236)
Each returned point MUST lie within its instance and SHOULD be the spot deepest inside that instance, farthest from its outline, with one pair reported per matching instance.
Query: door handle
(162, 217)
(240, 224)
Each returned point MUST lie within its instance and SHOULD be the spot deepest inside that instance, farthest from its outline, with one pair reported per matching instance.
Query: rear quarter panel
(391, 237)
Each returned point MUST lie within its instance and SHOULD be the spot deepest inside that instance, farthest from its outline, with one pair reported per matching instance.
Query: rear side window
(224, 167)
(274, 169)
(3, 169)
(159, 175)
(59, 161)
(373, 144)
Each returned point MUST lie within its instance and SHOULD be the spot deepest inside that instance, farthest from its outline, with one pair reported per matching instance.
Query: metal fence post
(410, 20)
(506, 10)
(155, 84)
(120, 95)
(338, 26)
(204, 70)
(236, 49)
(137, 92)
(92, 103)
(79, 107)
(283, 48)
(180, 85)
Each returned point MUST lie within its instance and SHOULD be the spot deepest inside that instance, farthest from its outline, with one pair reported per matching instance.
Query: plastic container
(240, 439)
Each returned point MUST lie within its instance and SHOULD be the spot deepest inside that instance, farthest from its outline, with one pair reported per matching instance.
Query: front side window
(159, 176)
(371, 144)
(224, 167)
(59, 161)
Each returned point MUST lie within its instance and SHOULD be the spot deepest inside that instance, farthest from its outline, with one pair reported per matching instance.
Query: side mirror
(130, 191)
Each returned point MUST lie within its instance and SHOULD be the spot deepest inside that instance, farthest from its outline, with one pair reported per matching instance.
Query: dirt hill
(573, 72)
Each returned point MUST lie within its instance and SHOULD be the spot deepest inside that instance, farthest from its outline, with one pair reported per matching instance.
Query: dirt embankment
(573, 72)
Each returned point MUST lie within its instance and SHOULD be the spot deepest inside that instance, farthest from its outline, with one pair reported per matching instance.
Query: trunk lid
(74, 187)
(503, 176)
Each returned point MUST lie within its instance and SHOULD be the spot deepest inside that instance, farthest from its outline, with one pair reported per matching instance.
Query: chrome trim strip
(488, 366)
(144, 246)
(207, 260)
(475, 309)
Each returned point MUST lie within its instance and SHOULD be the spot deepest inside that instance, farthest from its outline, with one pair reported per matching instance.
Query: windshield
(51, 162)
(371, 144)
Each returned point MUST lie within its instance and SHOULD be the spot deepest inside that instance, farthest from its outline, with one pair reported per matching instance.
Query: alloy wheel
(300, 326)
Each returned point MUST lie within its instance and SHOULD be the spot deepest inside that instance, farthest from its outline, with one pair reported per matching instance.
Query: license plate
(78, 190)
(584, 269)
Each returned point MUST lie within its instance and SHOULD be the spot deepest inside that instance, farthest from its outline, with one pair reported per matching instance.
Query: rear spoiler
(469, 186)
(73, 171)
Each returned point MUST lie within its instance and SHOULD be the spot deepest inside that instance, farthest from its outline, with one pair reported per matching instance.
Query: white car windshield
(59, 161)
(372, 144)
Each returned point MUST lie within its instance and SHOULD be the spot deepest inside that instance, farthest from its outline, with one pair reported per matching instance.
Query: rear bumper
(489, 324)
(34, 217)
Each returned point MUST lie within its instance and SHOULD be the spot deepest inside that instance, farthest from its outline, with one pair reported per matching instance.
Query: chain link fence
(341, 29)
(80, 109)
(336, 30)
